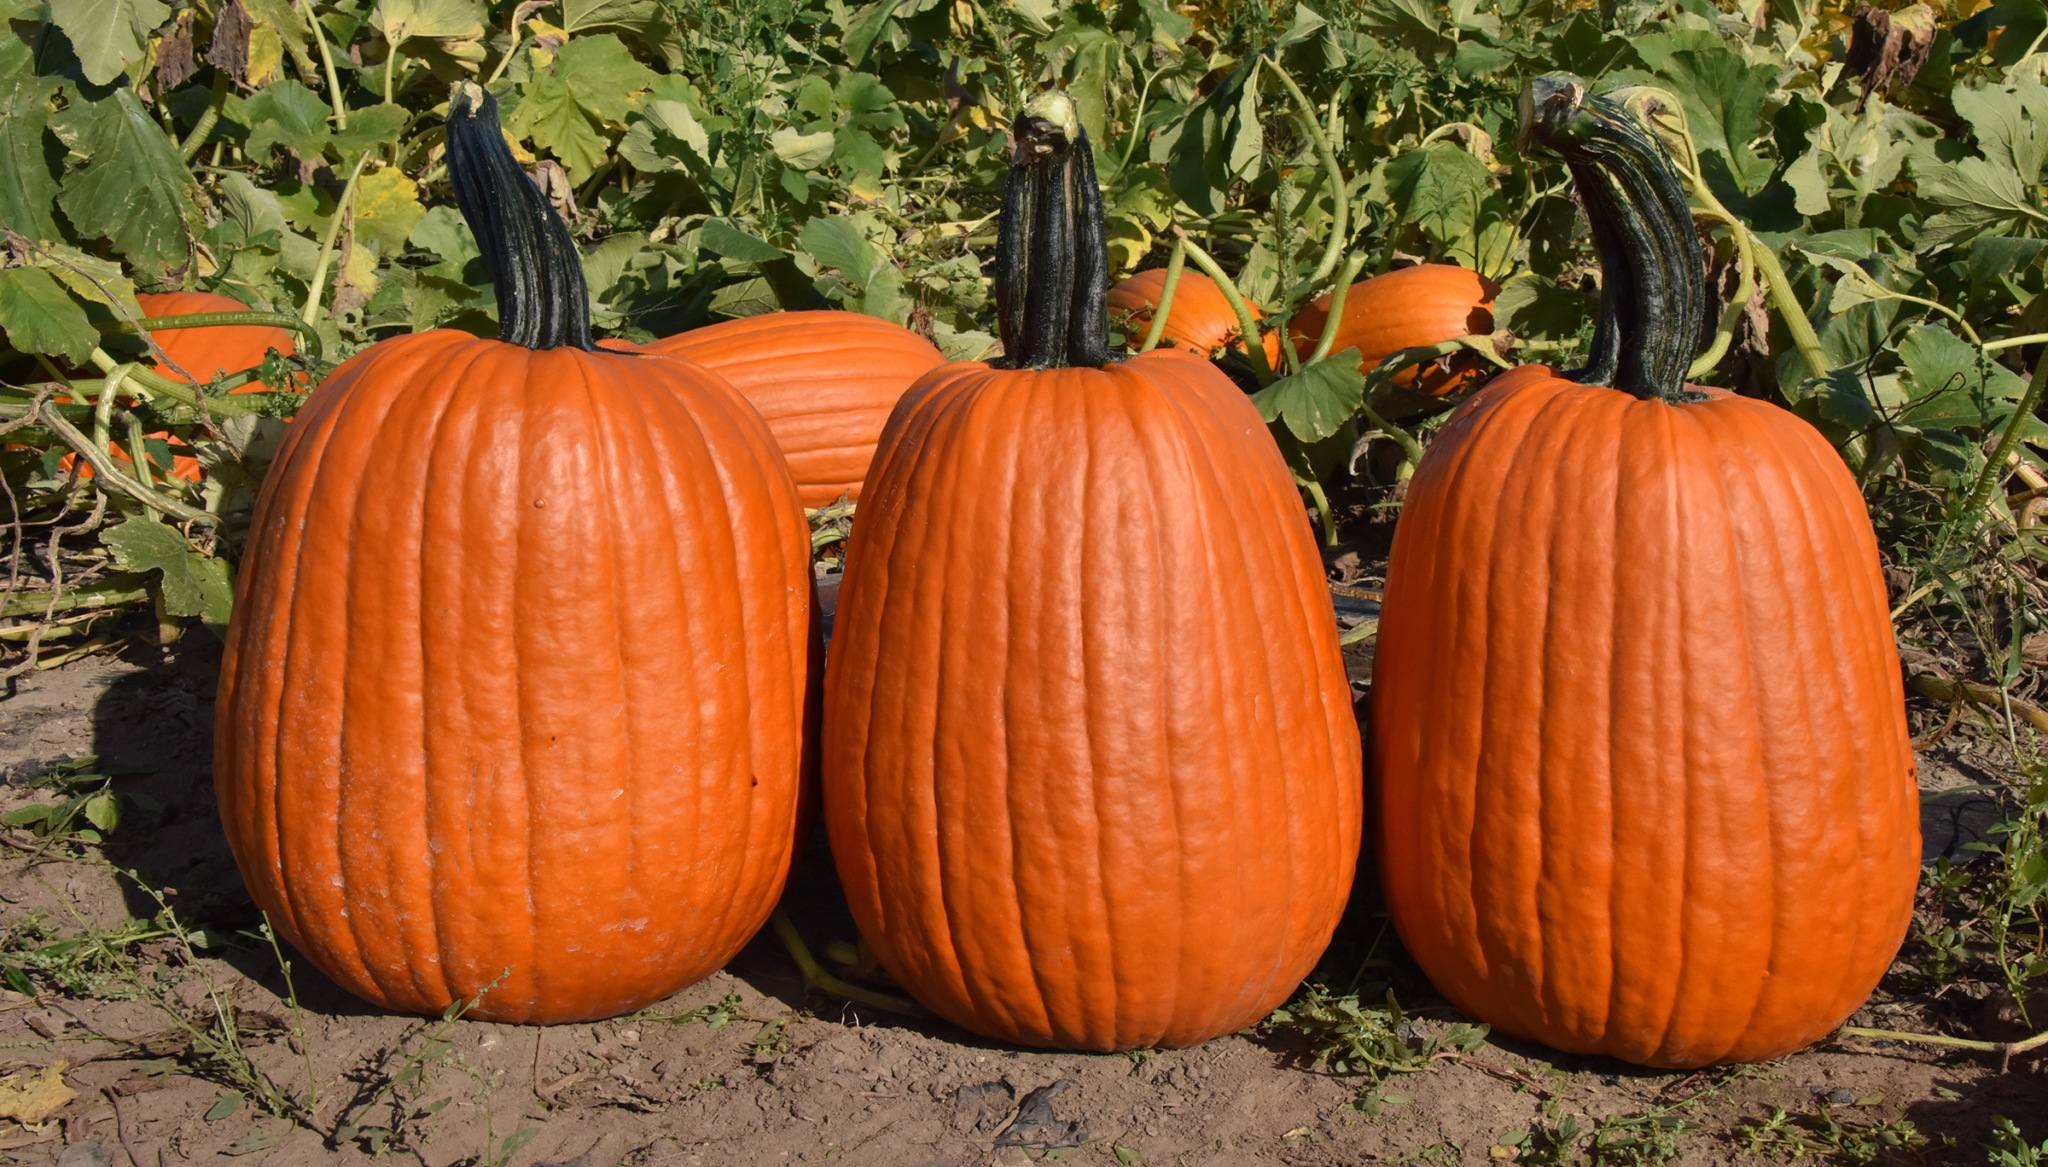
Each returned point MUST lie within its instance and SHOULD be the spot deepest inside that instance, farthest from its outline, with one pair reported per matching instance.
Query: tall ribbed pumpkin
(516, 674)
(1644, 777)
(1091, 772)
(824, 381)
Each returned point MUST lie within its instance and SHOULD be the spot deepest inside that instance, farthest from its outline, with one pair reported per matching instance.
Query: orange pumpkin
(1200, 320)
(825, 382)
(1645, 786)
(523, 708)
(204, 353)
(1091, 783)
(1406, 308)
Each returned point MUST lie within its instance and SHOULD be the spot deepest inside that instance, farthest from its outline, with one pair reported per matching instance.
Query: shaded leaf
(39, 317)
(1319, 399)
(27, 188)
(136, 190)
(108, 35)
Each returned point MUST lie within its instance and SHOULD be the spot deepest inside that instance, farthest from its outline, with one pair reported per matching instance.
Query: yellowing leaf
(387, 208)
(540, 57)
(803, 151)
(434, 19)
(361, 269)
(30, 1096)
(266, 54)
(866, 188)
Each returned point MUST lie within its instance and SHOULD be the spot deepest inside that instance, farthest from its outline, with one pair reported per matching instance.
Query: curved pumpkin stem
(542, 300)
(1052, 261)
(1653, 274)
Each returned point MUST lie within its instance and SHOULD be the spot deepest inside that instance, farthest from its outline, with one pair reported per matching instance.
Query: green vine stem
(1137, 124)
(1176, 260)
(327, 64)
(1410, 448)
(327, 238)
(1732, 315)
(1340, 206)
(1247, 327)
(815, 976)
(1987, 480)
(189, 149)
(95, 455)
(181, 392)
(138, 453)
(215, 319)
(1328, 339)
(1993, 346)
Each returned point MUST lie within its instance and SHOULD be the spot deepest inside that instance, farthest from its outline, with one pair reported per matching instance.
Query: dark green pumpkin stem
(542, 300)
(1653, 274)
(1052, 259)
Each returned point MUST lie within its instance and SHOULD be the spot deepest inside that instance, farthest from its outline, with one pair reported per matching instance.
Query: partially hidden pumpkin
(824, 381)
(1092, 777)
(1644, 780)
(1199, 320)
(1408, 307)
(199, 355)
(513, 696)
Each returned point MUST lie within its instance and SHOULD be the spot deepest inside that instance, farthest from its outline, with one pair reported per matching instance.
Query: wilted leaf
(400, 20)
(387, 208)
(30, 1096)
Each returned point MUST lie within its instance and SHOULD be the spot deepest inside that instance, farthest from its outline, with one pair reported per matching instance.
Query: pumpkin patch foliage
(796, 251)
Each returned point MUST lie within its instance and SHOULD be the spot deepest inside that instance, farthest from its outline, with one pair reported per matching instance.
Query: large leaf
(1439, 188)
(135, 190)
(602, 75)
(40, 318)
(2009, 120)
(193, 584)
(108, 35)
(1318, 399)
(27, 188)
(290, 115)
(402, 20)
(550, 116)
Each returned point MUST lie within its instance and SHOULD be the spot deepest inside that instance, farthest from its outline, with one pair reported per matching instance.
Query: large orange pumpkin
(1408, 307)
(515, 682)
(825, 382)
(1644, 778)
(1091, 773)
(1200, 320)
(204, 353)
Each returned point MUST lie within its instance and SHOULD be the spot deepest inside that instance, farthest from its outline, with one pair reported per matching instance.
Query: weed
(2009, 1148)
(89, 812)
(435, 1050)
(1374, 1040)
(1796, 1136)
(1636, 1140)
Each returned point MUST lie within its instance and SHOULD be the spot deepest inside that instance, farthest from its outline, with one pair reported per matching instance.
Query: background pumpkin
(1428, 303)
(528, 703)
(204, 353)
(824, 381)
(1200, 320)
(1091, 773)
(1644, 779)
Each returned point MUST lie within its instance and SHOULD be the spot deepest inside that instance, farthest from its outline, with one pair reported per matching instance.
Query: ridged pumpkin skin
(1200, 321)
(1428, 303)
(530, 696)
(1092, 776)
(1645, 786)
(824, 381)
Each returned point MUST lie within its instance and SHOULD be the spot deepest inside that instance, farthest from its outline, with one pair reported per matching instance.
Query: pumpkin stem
(1653, 275)
(542, 300)
(1052, 260)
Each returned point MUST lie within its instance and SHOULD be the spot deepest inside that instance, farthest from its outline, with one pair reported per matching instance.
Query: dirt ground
(746, 1068)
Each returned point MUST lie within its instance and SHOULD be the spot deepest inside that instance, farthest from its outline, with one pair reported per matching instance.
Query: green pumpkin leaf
(1319, 399)
(602, 75)
(727, 240)
(193, 584)
(108, 35)
(1439, 188)
(135, 190)
(290, 115)
(550, 116)
(28, 189)
(803, 151)
(39, 317)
